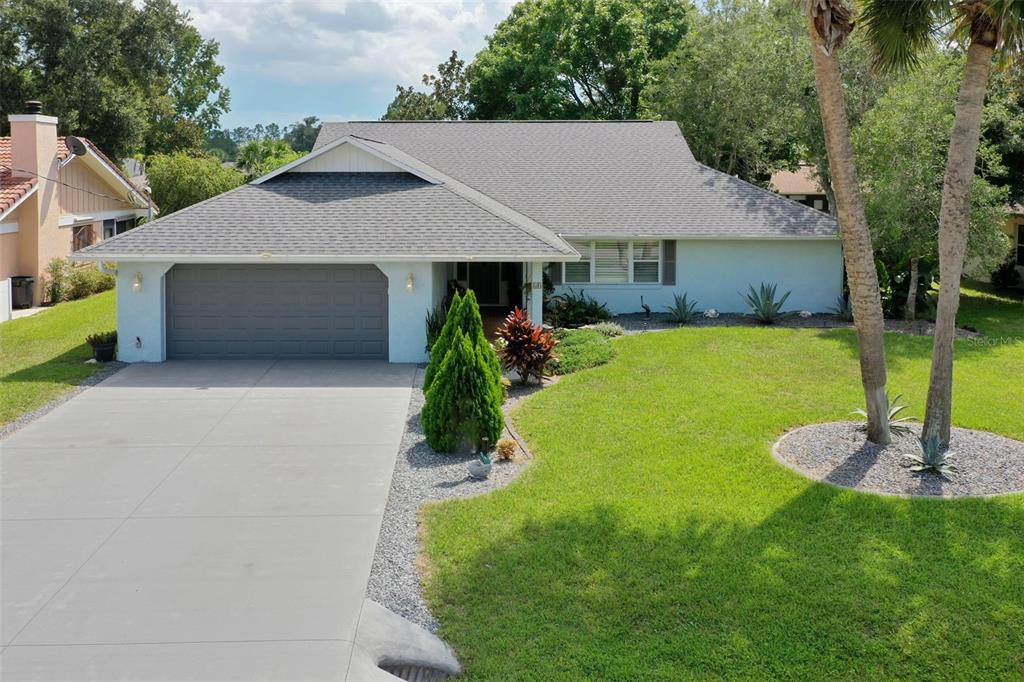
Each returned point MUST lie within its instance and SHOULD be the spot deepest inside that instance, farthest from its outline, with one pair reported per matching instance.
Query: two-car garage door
(277, 311)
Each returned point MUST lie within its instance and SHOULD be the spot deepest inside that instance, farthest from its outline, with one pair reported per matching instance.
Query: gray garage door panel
(277, 311)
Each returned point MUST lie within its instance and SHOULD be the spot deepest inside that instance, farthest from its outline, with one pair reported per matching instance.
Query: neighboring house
(1015, 230)
(342, 252)
(801, 186)
(53, 202)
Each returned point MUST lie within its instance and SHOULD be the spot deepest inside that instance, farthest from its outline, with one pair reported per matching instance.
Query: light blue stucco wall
(140, 314)
(407, 310)
(716, 273)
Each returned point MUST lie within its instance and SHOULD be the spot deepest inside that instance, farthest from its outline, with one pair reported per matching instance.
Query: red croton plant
(528, 347)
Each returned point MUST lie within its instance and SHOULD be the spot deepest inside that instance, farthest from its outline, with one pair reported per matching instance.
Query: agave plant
(932, 456)
(899, 427)
(843, 308)
(763, 304)
(683, 310)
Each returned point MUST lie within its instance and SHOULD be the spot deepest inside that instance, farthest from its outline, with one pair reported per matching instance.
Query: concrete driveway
(198, 521)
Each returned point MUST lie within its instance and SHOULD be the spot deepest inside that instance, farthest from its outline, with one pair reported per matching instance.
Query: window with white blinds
(615, 262)
(646, 262)
(578, 272)
(611, 262)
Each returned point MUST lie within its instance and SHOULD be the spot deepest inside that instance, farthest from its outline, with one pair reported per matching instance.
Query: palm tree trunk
(857, 250)
(954, 219)
(910, 310)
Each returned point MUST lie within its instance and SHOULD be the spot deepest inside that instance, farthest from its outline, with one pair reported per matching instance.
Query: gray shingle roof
(596, 178)
(333, 215)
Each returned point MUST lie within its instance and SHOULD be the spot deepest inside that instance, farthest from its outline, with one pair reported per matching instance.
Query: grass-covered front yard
(43, 356)
(655, 538)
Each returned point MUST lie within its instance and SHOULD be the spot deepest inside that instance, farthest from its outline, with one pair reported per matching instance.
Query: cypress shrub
(473, 327)
(444, 341)
(462, 407)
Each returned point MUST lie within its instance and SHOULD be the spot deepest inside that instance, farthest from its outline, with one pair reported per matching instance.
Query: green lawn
(655, 538)
(43, 356)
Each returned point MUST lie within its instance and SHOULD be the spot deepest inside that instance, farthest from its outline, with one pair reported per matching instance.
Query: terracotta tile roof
(801, 181)
(13, 188)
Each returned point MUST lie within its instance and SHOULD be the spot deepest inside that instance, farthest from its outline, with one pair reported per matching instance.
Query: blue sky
(335, 59)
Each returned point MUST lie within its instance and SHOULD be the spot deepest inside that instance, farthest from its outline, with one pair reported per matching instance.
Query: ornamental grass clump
(527, 347)
(463, 404)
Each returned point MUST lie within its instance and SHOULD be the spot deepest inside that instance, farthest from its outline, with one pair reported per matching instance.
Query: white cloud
(371, 43)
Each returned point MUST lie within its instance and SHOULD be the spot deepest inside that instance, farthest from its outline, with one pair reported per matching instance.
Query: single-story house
(342, 252)
(55, 200)
(801, 185)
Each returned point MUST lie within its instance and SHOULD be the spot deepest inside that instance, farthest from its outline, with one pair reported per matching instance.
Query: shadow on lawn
(830, 584)
(68, 368)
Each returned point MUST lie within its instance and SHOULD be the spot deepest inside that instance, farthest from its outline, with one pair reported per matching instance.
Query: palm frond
(900, 30)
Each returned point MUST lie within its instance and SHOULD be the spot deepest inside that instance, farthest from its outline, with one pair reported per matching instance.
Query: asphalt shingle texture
(331, 215)
(596, 178)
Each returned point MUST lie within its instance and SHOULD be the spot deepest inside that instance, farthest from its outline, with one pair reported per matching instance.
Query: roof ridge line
(524, 223)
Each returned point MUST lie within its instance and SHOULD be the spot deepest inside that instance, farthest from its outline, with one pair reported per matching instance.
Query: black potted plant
(103, 345)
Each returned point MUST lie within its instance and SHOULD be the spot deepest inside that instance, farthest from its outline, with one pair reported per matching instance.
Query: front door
(485, 281)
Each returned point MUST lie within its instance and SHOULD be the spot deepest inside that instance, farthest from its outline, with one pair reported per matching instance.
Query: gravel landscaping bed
(422, 475)
(27, 418)
(838, 453)
(635, 323)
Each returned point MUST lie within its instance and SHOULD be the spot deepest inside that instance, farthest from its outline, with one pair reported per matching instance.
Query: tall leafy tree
(738, 102)
(131, 77)
(901, 147)
(179, 180)
(899, 32)
(445, 99)
(574, 58)
(301, 135)
(830, 23)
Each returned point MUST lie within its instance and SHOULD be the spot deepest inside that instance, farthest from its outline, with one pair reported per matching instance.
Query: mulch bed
(838, 453)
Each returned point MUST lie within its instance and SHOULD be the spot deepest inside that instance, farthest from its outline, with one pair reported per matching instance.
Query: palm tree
(898, 30)
(830, 22)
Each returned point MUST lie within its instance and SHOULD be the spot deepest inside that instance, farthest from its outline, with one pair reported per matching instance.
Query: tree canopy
(901, 145)
(131, 77)
(259, 157)
(574, 58)
(179, 180)
(554, 59)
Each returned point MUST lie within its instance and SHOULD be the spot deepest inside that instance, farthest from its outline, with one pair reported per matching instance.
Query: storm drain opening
(415, 673)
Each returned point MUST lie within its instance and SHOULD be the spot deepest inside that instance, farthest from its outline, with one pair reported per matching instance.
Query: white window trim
(592, 243)
(8, 228)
